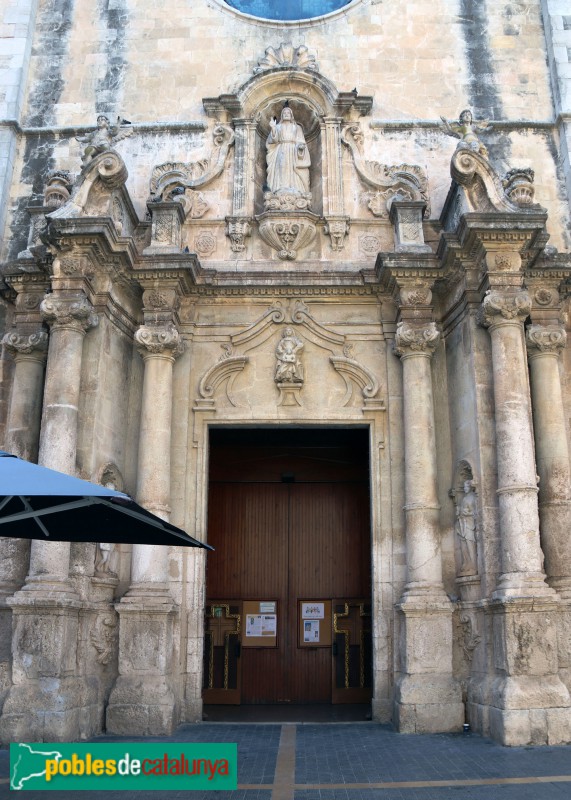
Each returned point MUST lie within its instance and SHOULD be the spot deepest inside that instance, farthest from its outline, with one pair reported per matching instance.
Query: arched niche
(318, 106)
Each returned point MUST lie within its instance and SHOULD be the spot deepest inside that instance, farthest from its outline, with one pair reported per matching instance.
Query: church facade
(299, 285)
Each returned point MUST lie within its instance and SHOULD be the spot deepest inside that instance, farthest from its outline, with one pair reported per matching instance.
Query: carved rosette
(545, 339)
(518, 186)
(77, 314)
(161, 340)
(288, 234)
(21, 344)
(416, 340)
(501, 307)
(237, 230)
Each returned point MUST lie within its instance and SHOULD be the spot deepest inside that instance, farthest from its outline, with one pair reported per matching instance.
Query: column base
(529, 710)
(141, 706)
(51, 710)
(142, 702)
(428, 704)
(512, 585)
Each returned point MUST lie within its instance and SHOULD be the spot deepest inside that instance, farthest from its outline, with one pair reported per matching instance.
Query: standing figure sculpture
(288, 157)
(467, 129)
(103, 138)
(466, 529)
(289, 368)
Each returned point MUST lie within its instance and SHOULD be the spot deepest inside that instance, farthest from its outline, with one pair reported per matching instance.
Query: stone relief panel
(286, 358)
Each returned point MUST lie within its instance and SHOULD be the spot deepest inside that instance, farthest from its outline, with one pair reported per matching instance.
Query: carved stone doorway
(289, 516)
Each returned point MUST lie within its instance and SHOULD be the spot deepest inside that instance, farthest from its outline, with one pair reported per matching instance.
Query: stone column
(544, 344)
(528, 702)
(428, 699)
(48, 700)
(521, 558)
(142, 701)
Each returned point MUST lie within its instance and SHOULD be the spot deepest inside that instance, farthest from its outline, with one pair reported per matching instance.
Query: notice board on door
(260, 623)
(314, 626)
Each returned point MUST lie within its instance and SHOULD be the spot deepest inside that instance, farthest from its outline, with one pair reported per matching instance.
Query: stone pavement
(360, 761)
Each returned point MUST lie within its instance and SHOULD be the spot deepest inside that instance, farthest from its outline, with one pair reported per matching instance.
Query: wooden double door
(289, 525)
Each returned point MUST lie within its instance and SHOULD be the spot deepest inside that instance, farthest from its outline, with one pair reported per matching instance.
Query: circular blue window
(287, 9)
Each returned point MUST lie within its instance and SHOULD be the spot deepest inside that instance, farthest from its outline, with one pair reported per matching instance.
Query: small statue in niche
(288, 156)
(106, 552)
(466, 511)
(289, 368)
(466, 129)
(103, 138)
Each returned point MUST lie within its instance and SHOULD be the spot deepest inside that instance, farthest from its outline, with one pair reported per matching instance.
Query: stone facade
(407, 271)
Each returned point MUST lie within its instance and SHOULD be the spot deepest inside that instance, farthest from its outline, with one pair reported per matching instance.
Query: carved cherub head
(466, 117)
(102, 121)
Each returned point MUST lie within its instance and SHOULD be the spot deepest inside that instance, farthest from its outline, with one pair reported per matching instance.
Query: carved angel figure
(289, 368)
(466, 129)
(103, 138)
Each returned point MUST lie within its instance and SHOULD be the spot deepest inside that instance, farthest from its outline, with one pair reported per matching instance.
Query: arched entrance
(288, 609)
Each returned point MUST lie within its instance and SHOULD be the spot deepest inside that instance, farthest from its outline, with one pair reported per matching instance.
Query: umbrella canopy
(40, 503)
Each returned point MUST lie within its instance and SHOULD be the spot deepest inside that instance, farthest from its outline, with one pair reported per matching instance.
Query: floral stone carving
(289, 232)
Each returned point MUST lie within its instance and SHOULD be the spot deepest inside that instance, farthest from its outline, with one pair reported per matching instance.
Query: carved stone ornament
(205, 243)
(471, 637)
(156, 300)
(77, 314)
(286, 201)
(289, 368)
(416, 295)
(410, 340)
(110, 477)
(103, 138)
(58, 188)
(397, 182)
(337, 230)
(288, 234)
(466, 526)
(518, 186)
(545, 297)
(369, 244)
(174, 174)
(546, 338)
(237, 230)
(22, 344)
(467, 130)
(503, 262)
(118, 215)
(501, 306)
(286, 55)
(159, 340)
(103, 638)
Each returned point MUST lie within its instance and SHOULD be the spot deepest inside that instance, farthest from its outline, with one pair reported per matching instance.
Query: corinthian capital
(159, 340)
(19, 344)
(412, 339)
(503, 306)
(545, 339)
(76, 313)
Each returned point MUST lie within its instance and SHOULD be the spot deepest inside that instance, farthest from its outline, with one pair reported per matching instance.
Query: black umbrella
(40, 503)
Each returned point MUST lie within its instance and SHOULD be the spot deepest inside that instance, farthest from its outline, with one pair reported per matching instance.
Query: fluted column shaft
(552, 453)
(69, 319)
(159, 347)
(415, 346)
(521, 559)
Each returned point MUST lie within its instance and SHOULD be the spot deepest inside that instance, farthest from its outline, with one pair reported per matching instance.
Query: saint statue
(467, 129)
(289, 368)
(466, 529)
(288, 157)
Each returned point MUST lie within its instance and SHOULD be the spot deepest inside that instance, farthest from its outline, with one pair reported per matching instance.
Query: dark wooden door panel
(289, 541)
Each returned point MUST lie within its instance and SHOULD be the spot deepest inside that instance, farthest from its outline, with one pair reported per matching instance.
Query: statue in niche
(466, 511)
(106, 552)
(466, 129)
(287, 157)
(103, 138)
(289, 368)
